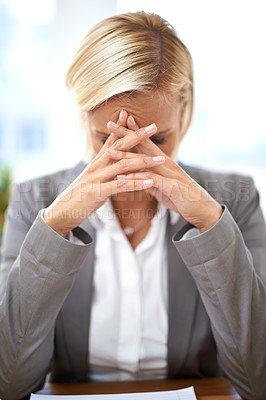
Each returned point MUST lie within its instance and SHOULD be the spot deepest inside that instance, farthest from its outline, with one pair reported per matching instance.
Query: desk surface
(205, 389)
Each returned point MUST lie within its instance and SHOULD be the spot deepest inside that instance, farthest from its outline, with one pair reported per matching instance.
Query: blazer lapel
(182, 301)
(76, 313)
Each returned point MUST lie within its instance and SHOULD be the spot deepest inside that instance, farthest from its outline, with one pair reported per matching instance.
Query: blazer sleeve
(228, 264)
(37, 272)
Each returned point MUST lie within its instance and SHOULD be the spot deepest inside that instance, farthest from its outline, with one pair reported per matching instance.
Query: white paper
(182, 394)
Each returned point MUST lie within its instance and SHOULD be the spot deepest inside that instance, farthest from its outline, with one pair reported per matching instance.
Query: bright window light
(32, 12)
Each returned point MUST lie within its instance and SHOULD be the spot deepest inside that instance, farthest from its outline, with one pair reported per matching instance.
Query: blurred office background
(39, 128)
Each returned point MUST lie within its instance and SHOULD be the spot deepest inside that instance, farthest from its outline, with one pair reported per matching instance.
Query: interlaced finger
(122, 119)
(118, 155)
(125, 185)
(131, 138)
(131, 123)
(146, 146)
(126, 165)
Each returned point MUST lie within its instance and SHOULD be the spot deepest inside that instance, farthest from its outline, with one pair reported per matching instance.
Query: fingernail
(131, 120)
(112, 125)
(151, 128)
(147, 181)
(121, 176)
(110, 151)
(122, 115)
(158, 159)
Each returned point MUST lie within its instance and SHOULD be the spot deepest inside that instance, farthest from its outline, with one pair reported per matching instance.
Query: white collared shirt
(129, 317)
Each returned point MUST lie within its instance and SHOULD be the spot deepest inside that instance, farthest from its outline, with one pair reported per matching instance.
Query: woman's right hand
(98, 180)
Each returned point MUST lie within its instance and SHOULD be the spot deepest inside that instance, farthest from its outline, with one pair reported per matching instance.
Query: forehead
(145, 108)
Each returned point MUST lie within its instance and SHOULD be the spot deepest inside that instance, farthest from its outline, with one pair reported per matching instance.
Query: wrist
(55, 224)
(211, 218)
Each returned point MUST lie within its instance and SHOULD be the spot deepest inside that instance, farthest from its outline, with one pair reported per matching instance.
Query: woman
(133, 266)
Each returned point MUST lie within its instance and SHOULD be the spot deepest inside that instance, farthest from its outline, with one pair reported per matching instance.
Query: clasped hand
(116, 169)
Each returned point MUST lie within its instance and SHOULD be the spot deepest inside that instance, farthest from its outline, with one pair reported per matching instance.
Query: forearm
(37, 286)
(235, 298)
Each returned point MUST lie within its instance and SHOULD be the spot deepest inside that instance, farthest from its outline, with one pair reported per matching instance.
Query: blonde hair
(132, 53)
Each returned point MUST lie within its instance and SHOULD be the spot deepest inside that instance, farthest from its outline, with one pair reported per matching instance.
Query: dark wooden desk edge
(203, 387)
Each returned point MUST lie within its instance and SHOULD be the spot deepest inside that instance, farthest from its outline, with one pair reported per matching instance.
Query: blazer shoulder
(205, 176)
(223, 185)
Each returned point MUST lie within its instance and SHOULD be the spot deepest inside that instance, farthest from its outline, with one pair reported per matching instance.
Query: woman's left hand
(173, 187)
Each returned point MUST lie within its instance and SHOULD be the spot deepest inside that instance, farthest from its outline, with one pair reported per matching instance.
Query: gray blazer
(216, 285)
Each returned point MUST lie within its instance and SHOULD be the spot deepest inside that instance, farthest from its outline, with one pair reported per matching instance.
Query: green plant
(5, 184)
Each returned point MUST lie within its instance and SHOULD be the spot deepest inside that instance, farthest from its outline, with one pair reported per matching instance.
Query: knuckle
(136, 184)
(138, 133)
(147, 161)
(116, 144)
(121, 183)
(123, 164)
(148, 175)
